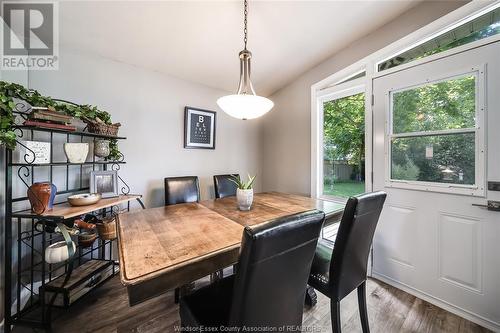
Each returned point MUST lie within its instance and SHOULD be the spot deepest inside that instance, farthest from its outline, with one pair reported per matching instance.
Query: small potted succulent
(244, 192)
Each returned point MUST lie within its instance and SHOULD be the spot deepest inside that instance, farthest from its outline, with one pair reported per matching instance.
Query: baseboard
(477, 319)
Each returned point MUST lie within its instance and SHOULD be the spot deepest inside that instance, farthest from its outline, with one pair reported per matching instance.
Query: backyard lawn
(344, 189)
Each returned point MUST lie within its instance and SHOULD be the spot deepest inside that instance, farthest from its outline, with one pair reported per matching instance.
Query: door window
(433, 132)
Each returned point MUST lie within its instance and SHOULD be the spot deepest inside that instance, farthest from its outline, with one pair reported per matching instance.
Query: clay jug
(39, 197)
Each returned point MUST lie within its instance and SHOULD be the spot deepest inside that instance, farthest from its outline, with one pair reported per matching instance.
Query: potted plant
(87, 113)
(244, 192)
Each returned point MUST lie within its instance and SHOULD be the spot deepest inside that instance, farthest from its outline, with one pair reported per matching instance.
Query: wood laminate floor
(389, 310)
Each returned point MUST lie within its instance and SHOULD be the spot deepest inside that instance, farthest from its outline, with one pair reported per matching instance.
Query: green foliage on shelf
(10, 91)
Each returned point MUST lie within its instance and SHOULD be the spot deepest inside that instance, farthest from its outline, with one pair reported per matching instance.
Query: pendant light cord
(245, 30)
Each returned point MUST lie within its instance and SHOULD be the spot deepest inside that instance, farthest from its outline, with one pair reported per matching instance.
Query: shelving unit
(26, 244)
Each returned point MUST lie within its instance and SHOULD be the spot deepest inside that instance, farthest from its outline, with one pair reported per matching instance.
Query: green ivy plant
(241, 184)
(10, 91)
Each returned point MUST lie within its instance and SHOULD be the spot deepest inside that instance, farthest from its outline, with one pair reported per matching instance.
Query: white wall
(150, 107)
(286, 152)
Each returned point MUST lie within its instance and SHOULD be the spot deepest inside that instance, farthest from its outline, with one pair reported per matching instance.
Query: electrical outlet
(494, 186)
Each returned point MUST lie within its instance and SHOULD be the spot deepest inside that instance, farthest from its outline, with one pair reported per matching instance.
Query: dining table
(164, 248)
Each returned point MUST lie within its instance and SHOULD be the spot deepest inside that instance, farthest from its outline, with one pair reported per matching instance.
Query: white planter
(245, 198)
(76, 152)
(58, 252)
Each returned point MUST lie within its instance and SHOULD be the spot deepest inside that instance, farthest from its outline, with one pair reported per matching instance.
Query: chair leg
(335, 313)
(176, 295)
(363, 313)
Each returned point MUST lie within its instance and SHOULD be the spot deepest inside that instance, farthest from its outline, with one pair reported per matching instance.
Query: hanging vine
(10, 91)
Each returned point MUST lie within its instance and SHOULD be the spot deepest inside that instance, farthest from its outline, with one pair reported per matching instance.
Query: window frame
(369, 63)
(477, 189)
(436, 34)
(345, 89)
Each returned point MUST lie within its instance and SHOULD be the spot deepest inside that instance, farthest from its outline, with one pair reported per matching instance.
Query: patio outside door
(436, 145)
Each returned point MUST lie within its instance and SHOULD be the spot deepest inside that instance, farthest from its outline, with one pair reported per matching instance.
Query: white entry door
(436, 147)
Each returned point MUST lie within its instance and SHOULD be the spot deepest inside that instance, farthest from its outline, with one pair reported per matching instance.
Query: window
(433, 132)
(344, 146)
(478, 28)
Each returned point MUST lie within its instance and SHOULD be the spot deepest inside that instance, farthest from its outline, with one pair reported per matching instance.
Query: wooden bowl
(86, 238)
(84, 199)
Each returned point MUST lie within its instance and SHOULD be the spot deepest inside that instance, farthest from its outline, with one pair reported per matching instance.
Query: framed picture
(105, 183)
(40, 149)
(199, 128)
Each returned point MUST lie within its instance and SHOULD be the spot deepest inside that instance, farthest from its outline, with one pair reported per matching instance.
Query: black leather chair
(269, 287)
(181, 190)
(223, 185)
(336, 273)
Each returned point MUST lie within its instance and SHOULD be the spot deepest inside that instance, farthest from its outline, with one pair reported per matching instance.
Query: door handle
(490, 205)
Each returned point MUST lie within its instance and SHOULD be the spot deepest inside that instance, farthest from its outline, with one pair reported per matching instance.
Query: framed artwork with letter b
(199, 128)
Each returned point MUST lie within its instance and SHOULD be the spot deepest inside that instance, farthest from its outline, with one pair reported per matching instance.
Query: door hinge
(373, 100)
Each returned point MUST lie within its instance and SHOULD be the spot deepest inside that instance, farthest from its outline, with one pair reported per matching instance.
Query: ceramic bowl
(76, 152)
(84, 199)
(57, 252)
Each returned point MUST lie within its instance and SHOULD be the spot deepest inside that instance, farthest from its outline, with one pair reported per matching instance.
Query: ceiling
(200, 41)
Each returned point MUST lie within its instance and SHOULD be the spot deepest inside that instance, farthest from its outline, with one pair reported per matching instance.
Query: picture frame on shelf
(199, 128)
(105, 183)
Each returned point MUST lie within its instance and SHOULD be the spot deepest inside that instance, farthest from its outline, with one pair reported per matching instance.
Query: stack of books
(47, 118)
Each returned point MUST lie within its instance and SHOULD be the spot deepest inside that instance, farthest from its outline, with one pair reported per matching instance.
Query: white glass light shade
(243, 106)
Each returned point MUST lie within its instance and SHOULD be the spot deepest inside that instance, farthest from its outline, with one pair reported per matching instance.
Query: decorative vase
(39, 197)
(76, 152)
(101, 148)
(53, 192)
(244, 198)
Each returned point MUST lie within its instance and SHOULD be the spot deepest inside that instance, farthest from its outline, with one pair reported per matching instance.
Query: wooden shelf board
(66, 211)
(66, 163)
(81, 133)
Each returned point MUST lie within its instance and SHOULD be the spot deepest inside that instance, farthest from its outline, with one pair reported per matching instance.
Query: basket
(107, 228)
(99, 127)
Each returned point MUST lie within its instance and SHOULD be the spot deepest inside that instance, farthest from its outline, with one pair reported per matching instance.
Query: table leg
(183, 290)
(311, 297)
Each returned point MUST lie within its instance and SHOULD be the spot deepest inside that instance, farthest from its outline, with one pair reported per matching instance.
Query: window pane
(484, 26)
(437, 106)
(440, 158)
(344, 146)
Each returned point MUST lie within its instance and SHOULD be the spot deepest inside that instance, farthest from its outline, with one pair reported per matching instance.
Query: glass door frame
(346, 89)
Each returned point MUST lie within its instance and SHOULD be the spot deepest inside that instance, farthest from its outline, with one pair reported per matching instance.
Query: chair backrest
(352, 245)
(275, 262)
(181, 190)
(223, 186)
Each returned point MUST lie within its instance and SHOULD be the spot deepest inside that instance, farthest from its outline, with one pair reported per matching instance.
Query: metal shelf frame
(27, 244)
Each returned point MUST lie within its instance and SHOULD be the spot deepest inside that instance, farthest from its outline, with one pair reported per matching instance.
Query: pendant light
(245, 104)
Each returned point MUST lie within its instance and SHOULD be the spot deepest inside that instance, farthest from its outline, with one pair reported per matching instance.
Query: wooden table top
(159, 239)
(167, 247)
(271, 205)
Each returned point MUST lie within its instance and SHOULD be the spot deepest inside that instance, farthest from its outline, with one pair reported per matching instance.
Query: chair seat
(209, 306)
(319, 278)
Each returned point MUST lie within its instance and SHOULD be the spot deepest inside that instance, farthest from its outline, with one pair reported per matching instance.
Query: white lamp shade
(245, 106)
